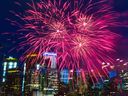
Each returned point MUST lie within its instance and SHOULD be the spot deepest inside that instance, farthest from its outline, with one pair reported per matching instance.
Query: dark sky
(8, 41)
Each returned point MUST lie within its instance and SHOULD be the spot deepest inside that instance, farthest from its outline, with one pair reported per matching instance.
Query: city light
(37, 66)
(3, 80)
(10, 65)
(15, 64)
(11, 58)
(4, 71)
(64, 76)
(13, 71)
(49, 54)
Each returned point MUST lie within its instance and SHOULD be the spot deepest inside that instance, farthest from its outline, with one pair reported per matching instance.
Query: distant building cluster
(40, 79)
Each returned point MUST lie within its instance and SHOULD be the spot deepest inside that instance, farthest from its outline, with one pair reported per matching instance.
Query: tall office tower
(9, 63)
(31, 84)
(52, 74)
(11, 76)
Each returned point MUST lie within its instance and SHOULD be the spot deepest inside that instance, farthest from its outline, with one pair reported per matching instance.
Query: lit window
(3, 80)
(4, 68)
(15, 64)
(10, 65)
(5, 63)
(37, 66)
(4, 73)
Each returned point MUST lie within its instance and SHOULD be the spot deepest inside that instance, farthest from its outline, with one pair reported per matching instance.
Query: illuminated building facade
(29, 83)
(13, 82)
(64, 76)
(31, 77)
(124, 75)
(40, 79)
(12, 75)
(51, 86)
(9, 63)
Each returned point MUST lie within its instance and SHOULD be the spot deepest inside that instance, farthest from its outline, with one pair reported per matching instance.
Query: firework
(78, 31)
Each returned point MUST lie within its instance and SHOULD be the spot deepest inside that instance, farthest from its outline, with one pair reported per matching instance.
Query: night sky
(9, 41)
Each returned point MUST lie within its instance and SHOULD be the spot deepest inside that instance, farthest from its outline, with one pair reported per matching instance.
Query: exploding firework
(78, 31)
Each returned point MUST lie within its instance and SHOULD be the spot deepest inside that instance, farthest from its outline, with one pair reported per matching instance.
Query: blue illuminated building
(64, 76)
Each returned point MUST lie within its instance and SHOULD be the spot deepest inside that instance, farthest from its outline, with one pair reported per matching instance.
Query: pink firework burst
(78, 31)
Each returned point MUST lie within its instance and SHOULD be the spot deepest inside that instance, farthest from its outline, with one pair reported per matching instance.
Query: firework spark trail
(79, 33)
